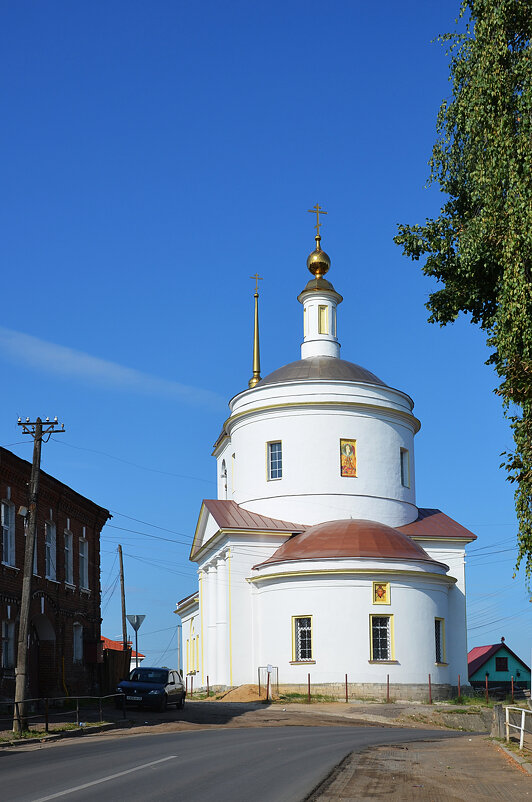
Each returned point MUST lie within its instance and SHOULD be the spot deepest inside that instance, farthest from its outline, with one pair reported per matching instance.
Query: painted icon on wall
(348, 458)
(381, 593)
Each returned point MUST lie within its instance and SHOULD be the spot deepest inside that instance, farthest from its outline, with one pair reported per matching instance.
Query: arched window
(223, 476)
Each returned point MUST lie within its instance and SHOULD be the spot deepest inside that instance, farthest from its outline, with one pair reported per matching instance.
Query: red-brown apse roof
(350, 538)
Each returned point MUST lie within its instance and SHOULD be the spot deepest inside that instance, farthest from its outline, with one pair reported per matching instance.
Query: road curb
(521, 761)
(58, 736)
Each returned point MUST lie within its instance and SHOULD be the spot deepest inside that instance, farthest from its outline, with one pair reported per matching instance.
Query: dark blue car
(152, 687)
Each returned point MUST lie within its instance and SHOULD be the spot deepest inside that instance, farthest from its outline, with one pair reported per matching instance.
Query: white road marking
(104, 779)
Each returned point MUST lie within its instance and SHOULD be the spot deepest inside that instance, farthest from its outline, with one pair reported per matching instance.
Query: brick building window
(83, 563)
(7, 519)
(8, 644)
(69, 558)
(77, 641)
(50, 550)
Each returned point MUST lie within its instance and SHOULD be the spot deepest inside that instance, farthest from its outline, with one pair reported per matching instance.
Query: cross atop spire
(257, 279)
(316, 210)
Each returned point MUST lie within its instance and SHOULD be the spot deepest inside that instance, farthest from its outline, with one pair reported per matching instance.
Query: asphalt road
(271, 764)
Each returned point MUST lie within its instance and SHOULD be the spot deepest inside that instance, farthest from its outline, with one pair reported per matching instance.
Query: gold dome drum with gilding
(318, 262)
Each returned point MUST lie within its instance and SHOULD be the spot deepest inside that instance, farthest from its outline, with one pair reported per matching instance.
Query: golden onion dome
(318, 261)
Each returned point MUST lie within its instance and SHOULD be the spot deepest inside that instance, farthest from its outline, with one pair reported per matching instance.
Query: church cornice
(443, 578)
(366, 406)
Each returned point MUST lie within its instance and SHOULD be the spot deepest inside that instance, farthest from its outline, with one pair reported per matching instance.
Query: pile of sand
(244, 693)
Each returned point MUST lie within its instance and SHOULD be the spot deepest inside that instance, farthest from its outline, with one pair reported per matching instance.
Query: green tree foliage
(480, 246)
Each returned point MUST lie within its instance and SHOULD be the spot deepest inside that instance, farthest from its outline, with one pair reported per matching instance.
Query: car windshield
(157, 675)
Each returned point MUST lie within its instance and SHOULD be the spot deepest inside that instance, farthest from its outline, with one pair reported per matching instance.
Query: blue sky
(156, 155)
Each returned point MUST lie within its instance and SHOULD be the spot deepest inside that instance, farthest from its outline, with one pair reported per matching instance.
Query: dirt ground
(470, 768)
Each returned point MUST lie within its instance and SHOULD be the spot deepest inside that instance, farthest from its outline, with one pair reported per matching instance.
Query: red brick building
(65, 617)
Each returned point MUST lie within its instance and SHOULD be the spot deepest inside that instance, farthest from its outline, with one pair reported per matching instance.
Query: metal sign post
(136, 621)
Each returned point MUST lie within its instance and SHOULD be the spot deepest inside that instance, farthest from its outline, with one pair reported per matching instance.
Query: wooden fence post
(388, 688)
(430, 691)
(346, 691)
(309, 688)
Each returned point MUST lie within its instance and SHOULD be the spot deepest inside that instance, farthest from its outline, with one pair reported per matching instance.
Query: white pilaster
(222, 667)
(210, 668)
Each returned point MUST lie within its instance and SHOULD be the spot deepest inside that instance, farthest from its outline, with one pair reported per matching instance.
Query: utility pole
(123, 595)
(37, 430)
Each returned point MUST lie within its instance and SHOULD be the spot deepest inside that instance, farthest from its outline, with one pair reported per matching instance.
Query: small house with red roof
(499, 664)
(118, 646)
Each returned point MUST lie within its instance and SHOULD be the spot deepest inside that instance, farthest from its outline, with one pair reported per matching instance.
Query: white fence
(521, 726)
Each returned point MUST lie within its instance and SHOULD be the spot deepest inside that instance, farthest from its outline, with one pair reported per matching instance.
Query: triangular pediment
(217, 516)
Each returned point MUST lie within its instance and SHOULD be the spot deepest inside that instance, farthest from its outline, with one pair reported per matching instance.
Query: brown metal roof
(321, 367)
(350, 538)
(434, 523)
(229, 515)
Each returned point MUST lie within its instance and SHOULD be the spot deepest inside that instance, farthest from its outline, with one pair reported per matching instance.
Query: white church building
(315, 557)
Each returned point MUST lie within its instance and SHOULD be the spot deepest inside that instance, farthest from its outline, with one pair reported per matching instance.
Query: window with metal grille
(303, 638)
(275, 460)
(501, 664)
(7, 518)
(438, 640)
(380, 638)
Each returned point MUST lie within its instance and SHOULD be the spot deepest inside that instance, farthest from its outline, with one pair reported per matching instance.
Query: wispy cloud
(45, 356)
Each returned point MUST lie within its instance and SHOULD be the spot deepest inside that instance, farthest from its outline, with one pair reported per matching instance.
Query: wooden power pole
(123, 595)
(37, 430)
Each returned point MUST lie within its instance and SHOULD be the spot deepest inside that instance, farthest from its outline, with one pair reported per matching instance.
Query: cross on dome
(316, 210)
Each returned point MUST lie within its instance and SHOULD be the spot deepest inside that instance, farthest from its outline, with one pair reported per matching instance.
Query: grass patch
(302, 698)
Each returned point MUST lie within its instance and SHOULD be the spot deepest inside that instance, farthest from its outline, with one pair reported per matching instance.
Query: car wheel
(163, 704)
(180, 705)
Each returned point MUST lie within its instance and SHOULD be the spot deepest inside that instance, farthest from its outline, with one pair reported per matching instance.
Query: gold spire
(255, 379)
(318, 262)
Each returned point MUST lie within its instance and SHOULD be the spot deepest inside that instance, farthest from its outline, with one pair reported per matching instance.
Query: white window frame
(69, 557)
(83, 563)
(8, 644)
(274, 461)
(77, 643)
(7, 519)
(50, 539)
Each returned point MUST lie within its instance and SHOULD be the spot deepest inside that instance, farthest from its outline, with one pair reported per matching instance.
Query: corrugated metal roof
(434, 523)
(481, 654)
(229, 515)
(117, 646)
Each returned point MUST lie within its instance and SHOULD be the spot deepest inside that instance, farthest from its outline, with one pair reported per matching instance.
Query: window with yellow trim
(301, 638)
(323, 322)
(381, 637)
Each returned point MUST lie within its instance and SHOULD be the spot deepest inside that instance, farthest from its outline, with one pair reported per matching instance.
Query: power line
(135, 464)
